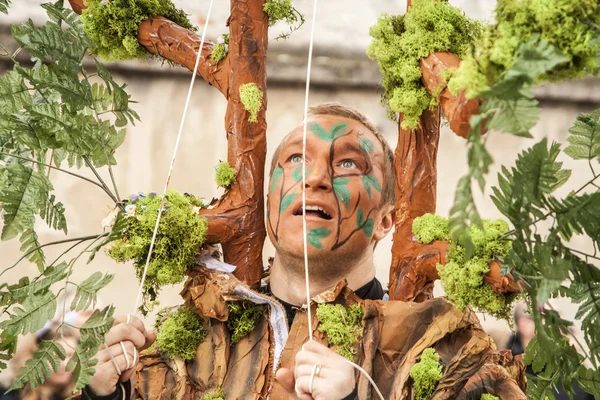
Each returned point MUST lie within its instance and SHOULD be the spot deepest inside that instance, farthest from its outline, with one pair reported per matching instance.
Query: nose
(318, 176)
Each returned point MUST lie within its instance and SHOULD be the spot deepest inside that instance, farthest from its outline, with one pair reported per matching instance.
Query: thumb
(285, 377)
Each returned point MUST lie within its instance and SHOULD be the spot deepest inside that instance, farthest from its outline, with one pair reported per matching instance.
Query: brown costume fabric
(394, 336)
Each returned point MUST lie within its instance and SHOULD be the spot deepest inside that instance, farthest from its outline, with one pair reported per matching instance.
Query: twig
(104, 186)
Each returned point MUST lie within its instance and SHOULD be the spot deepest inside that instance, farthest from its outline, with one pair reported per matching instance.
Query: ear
(385, 224)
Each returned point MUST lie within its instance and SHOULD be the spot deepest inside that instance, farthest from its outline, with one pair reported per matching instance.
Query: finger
(117, 350)
(124, 332)
(285, 377)
(121, 365)
(307, 370)
(150, 338)
(302, 386)
(133, 321)
(308, 358)
(125, 376)
(313, 346)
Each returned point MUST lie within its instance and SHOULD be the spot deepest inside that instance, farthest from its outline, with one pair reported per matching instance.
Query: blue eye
(349, 164)
(296, 158)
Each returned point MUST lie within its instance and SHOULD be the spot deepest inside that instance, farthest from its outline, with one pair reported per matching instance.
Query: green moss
(217, 394)
(251, 97)
(220, 49)
(243, 317)
(566, 24)
(487, 396)
(180, 334)
(226, 174)
(426, 374)
(430, 227)
(399, 42)
(279, 10)
(343, 326)
(180, 236)
(112, 26)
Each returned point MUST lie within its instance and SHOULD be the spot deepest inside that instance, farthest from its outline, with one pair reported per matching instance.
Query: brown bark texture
(394, 337)
(236, 220)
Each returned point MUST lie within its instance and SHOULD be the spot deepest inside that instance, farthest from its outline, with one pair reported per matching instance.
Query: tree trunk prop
(236, 220)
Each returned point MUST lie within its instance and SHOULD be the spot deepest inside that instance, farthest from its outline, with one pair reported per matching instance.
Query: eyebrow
(295, 142)
(352, 147)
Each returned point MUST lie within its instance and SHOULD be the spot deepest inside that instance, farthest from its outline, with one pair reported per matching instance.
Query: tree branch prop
(236, 219)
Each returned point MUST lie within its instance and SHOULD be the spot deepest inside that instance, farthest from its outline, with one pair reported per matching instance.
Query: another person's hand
(332, 376)
(113, 364)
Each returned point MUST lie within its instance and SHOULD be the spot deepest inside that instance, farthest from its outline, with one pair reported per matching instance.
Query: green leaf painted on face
(368, 181)
(318, 130)
(287, 200)
(297, 174)
(341, 191)
(314, 236)
(366, 145)
(368, 227)
(277, 173)
(360, 216)
(338, 130)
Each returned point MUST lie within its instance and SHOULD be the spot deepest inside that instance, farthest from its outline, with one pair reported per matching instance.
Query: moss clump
(220, 49)
(180, 236)
(430, 227)
(217, 394)
(112, 26)
(487, 396)
(226, 174)
(426, 374)
(279, 10)
(399, 42)
(180, 334)
(251, 97)
(243, 317)
(343, 326)
(462, 279)
(568, 25)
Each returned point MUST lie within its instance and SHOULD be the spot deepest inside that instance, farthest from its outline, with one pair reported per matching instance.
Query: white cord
(304, 230)
(162, 203)
(365, 373)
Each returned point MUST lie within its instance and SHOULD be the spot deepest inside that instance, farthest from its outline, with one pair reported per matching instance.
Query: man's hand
(334, 381)
(135, 338)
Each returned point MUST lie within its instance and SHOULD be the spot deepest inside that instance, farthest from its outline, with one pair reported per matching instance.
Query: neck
(288, 277)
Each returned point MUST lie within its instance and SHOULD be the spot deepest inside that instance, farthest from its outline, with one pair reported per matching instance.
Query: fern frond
(74, 92)
(577, 214)
(35, 311)
(31, 247)
(44, 362)
(86, 291)
(60, 14)
(584, 138)
(8, 347)
(82, 364)
(94, 329)
(4, 6)
(50, 276)
(54, 214)
(14, 93)
(462, 214)
(514, 116)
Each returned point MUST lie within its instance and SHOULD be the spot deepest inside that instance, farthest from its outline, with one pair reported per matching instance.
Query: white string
(365, 373)
(162, 203)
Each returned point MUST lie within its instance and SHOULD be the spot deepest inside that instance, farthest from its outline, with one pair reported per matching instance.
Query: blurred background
(341, 72)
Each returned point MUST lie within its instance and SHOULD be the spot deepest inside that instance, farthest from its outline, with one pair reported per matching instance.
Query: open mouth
(314, 211)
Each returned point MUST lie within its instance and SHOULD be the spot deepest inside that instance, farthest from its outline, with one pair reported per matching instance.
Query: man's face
(344, 179)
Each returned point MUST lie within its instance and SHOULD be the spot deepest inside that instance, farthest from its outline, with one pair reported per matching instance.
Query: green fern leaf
(14, 93)
(462, 214)
(96, 326)
(36, 310)
(82, 364)
(22, 199)
(59, 14)
(577, 214)
(31, 247)
(54, 214)
(46, 78)
(116, 233)
(86, 291)
(536, 57)
(8, 347)
(4, 6)
(45, 361)
(584, 138)
(587, 295)
(514, 116)
(50, 276)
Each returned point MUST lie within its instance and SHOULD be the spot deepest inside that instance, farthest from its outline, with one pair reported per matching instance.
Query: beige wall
(145, 155)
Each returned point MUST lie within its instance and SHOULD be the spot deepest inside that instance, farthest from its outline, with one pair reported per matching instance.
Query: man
(349, 208)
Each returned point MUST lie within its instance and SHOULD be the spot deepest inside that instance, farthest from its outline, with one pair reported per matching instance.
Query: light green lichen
(226, 174)
(568, 25)
(180, 334)
(430, 227)
(180, 236)
(462, 279)
(243, 317)
(343, 326)
(217, 394)
(399, 42)
(220, 50)
(251, 97)
(426, 374)
(113, 25)
(279, 10)
(487, 396)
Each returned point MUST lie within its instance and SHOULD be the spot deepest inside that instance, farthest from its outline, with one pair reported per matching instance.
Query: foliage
(45, 361)
(217, 394)
(343, 326)
(226, 174)
(283, 10)
(487, 396)
(220, 49)
(426, 374)
(568, 26)
(180, 236)
(113, 25)
(251, 97)
(461, 277)
(399, 42)
(4, 6)
(243, 317)
(181, 333)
